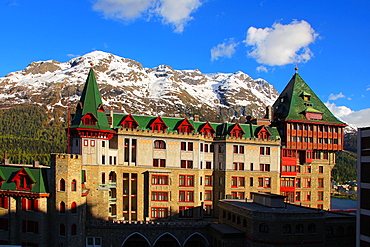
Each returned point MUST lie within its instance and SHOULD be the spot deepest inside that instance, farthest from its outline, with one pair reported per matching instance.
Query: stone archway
(136, 239)
(167, 240)
(196, 240)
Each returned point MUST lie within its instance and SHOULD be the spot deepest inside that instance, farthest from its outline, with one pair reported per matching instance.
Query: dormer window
(264, 134)
(236, 131)
(207, 130)
(89, 119)
(185, 127)
(158, 125)
(305, 96)
(129, 122)
(22, 180)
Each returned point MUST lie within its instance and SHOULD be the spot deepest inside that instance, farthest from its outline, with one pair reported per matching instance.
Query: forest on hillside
(31, 132)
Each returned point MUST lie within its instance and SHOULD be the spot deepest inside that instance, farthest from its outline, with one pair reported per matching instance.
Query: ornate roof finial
(92, 64)
(296, 68)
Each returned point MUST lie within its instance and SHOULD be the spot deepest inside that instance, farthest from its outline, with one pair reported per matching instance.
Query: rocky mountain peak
(126, 85)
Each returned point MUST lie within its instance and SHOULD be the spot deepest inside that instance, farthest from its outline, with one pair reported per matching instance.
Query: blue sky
(329, 40)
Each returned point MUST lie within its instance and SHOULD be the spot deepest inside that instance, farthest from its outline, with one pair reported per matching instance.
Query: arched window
(62, 230)
(311, 228)
(74, 185)
(287, 229)
(62, 185)
(74, 208)
(264, 228)
(244, 223)
(112, 177)
(159, 144)
(62, 208)
(73, 230)
(299, 228)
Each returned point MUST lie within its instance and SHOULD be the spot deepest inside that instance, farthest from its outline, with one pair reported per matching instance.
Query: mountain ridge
(127, 85)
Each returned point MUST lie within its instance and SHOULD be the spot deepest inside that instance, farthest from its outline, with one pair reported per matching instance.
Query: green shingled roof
(90, 103)
(221, 129)
(38, 175)
(298, 98)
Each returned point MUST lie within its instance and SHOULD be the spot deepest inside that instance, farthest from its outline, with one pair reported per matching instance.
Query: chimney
(6, 161)
(35, 163)
(269, 113)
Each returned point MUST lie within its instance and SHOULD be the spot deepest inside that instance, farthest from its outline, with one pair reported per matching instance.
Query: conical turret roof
(90, 106)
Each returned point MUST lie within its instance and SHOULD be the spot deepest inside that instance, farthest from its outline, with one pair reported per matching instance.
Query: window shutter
(6, 202)
(24, 202)
(36, 205)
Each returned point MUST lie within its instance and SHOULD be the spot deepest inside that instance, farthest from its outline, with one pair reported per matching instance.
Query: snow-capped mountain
(126, 85)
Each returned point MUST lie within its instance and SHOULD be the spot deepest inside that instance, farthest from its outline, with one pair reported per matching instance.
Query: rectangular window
(30, 226)
(93, 242)
(321, 169)
(264, 167)
(208, 195)
(297, 196)
(320, 183)
(206, 148)
(298, 183)
(267, 183)
(250, 181)
(201, 147)
(260, 182)
(186, 180)
(234, 182)
(241, 149)
(267, 150)
(159, 213)
(186, 212)
(103, 144)
(92, 143)
(190, 146)
(86, 143)
(238, 166)
(159, 163)
(103, 159)
(241, 181)
(212, 148)
(208, 180)
(208, 165)
(262, 151)
(207, 210)
(187, 164)
(235, 148)
(159, 196)
(251, 166)
(160, 179)
(183, 146)
(186, 196)
(320, 195)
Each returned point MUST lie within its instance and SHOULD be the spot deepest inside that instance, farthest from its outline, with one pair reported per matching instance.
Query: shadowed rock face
(125, 84)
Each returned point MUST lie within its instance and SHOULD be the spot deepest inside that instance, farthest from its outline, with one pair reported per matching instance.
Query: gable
(129, 122)
(236, 131)
(184, 126)
(158, 124)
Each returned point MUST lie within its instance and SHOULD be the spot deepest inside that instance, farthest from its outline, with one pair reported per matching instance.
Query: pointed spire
(90, 105)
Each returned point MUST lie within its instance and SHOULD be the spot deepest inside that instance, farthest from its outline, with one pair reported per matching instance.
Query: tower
(90, 131)
(310, 135)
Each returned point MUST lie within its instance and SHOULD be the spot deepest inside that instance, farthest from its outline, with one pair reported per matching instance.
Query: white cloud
(281, 44)
(176, 13)
(357, 118)
(336, 96)
(226, 49)
(262, 69)
(368, 89)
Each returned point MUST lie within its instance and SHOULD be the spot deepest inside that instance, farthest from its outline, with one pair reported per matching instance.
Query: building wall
(363, 202)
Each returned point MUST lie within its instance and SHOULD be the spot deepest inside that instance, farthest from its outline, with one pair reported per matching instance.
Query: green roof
(221, 129)
(37, 175)
(90, 103)
(298, 98)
